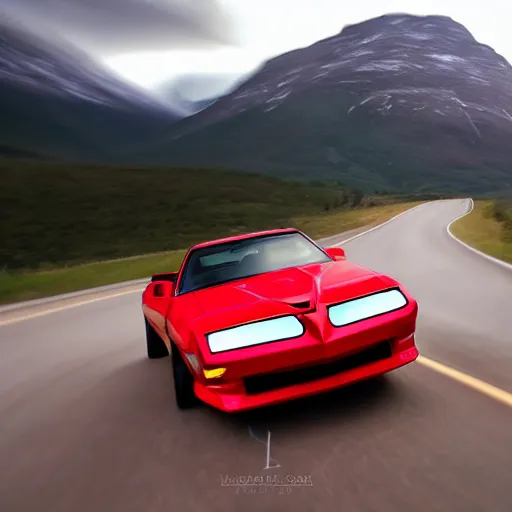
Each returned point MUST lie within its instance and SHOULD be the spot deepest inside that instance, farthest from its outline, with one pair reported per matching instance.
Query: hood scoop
(305, 306)
(300, 305)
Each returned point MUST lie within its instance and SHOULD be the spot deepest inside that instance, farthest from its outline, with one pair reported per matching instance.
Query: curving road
(87, 423)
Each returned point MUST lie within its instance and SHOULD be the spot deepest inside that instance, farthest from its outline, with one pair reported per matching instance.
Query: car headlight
(363, 308)
(255, 333)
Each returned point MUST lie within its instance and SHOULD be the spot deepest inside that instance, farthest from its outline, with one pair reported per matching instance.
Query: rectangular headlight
(356, 310)
(255, 333)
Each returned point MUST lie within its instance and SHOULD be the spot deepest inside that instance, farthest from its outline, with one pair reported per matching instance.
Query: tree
(357, 197)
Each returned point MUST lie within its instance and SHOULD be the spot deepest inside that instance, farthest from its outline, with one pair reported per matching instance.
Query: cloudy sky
(150, 41)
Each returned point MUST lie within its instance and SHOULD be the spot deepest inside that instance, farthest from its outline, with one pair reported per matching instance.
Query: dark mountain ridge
(56, 100)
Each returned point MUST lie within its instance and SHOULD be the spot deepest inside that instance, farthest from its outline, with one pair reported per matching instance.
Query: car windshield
(210, 266)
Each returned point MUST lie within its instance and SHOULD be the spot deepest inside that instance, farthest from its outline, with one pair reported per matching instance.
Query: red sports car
(271, 316)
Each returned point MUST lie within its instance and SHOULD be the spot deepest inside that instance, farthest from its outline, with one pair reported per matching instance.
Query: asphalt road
(87, 423)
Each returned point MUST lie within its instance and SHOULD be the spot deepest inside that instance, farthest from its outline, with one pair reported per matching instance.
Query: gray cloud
(106, 27)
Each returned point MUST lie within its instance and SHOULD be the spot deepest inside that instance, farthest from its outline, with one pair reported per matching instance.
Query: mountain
(407, 103)
(192, 92)
(55, 100)
(194, 106)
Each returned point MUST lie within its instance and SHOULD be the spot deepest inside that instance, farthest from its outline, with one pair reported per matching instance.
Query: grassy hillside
(488, 228)
(311, 135)
(54, 214)
(67, 227)
(26, 285)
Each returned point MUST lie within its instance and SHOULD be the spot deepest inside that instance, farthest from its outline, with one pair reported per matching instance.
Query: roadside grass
(27, 285)
(482, 230)
(321, 226)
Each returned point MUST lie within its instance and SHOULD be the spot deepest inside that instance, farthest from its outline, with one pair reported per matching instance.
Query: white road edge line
(86, 292)
(380, 225)
(97, 299)
(20, 318)
(502, 263)
(463, 378)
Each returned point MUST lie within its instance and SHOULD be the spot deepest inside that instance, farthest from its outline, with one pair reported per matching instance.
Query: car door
(156, 301)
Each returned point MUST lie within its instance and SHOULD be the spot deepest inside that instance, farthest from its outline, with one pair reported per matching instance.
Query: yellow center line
(21, 318)
(483, 387)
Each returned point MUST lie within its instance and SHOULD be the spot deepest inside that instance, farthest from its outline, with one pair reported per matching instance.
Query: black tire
(183, 381)
(155, 345)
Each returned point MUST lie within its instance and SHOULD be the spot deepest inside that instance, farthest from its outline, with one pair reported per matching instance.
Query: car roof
(246, 236)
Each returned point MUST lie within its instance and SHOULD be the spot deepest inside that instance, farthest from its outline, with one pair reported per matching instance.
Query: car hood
(289, 290)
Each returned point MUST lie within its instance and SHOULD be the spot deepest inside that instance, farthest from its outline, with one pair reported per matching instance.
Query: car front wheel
(183, 381)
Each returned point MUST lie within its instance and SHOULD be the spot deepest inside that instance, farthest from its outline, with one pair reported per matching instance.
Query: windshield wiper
(218, 283)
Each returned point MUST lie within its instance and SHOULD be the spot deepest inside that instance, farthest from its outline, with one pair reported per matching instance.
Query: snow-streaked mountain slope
(392, 100)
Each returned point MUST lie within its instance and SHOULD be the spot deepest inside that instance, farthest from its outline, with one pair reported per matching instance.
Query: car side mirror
(162, 289)
(166, 276)
(336, 253)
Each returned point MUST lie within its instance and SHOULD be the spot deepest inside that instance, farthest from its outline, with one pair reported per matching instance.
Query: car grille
(267, 382)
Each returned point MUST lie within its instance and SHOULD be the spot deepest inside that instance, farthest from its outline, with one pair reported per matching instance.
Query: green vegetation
(324, 225)
(488, 228)
(19, 286)
(502, 212)
(60, 223)
(26, 285)
(55, 215)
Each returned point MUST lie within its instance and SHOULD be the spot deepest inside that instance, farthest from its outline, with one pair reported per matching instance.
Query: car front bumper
(317, 377)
